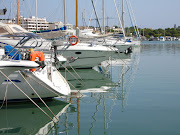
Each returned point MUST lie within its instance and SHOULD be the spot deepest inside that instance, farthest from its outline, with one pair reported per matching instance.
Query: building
(32, 23)
(55, 25)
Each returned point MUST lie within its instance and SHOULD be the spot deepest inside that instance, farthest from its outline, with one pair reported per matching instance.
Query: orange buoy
(77, 40)
(34, 55)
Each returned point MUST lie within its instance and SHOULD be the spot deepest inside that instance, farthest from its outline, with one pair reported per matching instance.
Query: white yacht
(17, 82)
(85, 55)
(47, 82)
(123, 46)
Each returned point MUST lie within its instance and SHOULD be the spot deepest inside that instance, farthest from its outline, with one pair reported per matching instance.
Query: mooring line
(38, 95)
(27, 96)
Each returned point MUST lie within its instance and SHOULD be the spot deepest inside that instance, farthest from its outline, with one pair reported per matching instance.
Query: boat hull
(45, 88)
(86, 58)
(86, 55)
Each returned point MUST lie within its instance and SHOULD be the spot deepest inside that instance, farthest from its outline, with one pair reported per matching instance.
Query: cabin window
(77, 52)
(17, 29)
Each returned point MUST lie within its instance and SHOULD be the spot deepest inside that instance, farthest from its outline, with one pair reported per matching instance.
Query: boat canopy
(42, 31)
(11, 29)
(14, 54)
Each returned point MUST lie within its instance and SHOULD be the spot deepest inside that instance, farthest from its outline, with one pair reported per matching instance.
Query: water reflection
(26, 118)
(123, 72)
(159, 48)
(87, 80)
(94, 112)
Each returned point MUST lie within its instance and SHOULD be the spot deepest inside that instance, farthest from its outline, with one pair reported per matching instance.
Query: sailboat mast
(11, 12)
(36, 17)
(17, 12)
(123, 13)
(103, 14)
(65, 20)
(76, 13)
(96, 15)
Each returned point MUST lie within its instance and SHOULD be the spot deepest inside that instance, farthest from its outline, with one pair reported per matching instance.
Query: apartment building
(32, 23)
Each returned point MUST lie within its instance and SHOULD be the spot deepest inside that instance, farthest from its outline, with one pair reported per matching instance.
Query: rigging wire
(91, 15)
(119, 20)
(130, 15)
(14, 9)
(30, 8)
(134, 18)
(3, 3)
(25, 11)
(54, 11)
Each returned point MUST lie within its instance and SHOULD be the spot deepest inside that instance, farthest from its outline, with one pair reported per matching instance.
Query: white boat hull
(121, 45)
(10, 66)
(87, 55)
(87, 59)
(44, 87)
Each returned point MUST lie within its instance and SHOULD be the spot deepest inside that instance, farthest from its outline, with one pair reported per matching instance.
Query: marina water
(136, 94)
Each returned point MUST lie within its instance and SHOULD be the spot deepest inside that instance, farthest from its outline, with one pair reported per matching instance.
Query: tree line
(148, 32)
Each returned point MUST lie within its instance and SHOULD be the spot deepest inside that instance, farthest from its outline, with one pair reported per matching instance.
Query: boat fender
(72, 37)
(34, 55)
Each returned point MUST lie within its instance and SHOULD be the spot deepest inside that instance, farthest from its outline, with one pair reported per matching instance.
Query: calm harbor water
(136, 95)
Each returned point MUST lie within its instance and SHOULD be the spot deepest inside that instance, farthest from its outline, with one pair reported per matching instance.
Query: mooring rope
(27, 96)
(72, 74)
(38, 95)
(78, 91)
(75, 78)
(71, 84)
(75, 72)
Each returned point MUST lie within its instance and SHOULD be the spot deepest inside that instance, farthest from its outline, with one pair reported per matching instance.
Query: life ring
(77, 40)
(34, 55)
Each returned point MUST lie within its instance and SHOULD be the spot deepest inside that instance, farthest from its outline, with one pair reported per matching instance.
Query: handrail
(22, 42)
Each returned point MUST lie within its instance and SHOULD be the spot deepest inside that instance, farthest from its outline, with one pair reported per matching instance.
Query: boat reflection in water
(26, 118)
(105, 89)
(94, 112)
(123, 68)
(87, 80)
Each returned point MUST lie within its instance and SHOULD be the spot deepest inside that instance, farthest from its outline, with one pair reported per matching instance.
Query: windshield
(27, 34)
(17, 29)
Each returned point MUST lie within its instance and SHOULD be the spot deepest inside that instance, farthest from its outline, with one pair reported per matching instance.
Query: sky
(148, 13)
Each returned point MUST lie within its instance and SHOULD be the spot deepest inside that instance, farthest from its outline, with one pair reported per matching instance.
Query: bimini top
(11, 29)
(12, 34)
